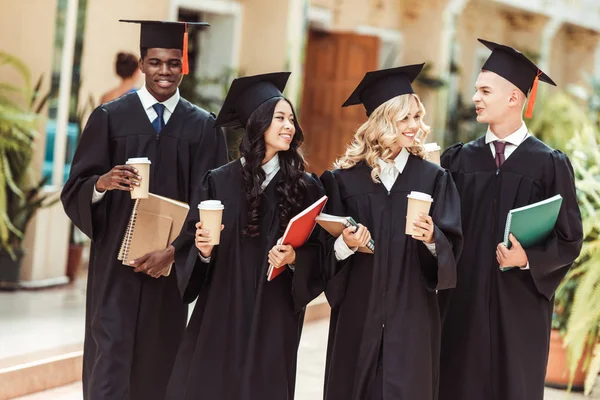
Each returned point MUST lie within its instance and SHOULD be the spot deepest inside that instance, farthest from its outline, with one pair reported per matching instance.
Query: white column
(64, 93)
(445, 95)
(297, 26)
(548, 35)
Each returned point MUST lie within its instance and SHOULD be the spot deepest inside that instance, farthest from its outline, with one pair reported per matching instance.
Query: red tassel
(184, 61)
(532, 95)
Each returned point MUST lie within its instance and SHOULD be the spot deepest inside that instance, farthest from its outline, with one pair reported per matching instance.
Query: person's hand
(282, 254)
(202, 240)
(424, 229)
(121, 177)
(155, 263)
(356, 237)
(515, 257)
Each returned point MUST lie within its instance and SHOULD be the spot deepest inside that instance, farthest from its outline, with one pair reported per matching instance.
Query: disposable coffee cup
(142, 164)
(418, 203)
(432, 152)
(211, 216)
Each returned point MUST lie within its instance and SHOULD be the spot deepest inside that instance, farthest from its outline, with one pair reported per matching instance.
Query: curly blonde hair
(374, 138)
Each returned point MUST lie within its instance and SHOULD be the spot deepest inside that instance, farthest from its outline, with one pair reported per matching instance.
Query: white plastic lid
(211, 205)
(139, 160)
(420, 196)
(431, 147)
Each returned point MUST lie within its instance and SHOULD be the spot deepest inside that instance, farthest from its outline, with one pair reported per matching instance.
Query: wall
(34, 45)
(264, 42)
(105, 36)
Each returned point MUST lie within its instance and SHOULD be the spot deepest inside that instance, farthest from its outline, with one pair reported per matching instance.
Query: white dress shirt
(148, 101)
(512, 142)
(389, 174)
(271, 168)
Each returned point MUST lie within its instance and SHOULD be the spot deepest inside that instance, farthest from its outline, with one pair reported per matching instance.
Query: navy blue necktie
(159, 122)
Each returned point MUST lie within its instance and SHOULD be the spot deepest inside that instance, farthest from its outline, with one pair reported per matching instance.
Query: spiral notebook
(155, 222)
(533, 223)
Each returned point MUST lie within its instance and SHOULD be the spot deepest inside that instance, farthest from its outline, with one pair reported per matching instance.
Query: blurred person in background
(128, 69)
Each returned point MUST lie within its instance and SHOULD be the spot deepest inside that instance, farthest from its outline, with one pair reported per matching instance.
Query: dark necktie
(159, 122)
(500, 146)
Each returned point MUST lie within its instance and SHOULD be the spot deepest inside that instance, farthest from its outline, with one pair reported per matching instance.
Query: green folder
(533, 223)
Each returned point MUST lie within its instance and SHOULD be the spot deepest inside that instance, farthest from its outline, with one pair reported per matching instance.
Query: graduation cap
(166, 35)
(377, 87)
(247, 93)
(513, 66)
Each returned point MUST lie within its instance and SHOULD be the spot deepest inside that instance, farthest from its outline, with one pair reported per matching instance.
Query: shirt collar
(148, 100)
(399, 162)
(269, 166)
(515, 138)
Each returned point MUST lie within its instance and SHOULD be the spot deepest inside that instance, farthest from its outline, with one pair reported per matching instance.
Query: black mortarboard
(377, 87)
(247, 93)
(165, 35)
(513, 66)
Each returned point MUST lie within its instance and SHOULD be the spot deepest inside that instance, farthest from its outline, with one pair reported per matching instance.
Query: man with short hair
(496, 323)
(135, 317)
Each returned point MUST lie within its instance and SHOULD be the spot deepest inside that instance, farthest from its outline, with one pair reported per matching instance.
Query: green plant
(555, 119)
(563, 123)
(207, 92)
(583, 328)
(20, 195)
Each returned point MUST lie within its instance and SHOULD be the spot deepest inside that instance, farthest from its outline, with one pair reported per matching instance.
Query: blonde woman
(385, 325)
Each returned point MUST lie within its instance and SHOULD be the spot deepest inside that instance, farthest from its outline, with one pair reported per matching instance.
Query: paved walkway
(59, 315)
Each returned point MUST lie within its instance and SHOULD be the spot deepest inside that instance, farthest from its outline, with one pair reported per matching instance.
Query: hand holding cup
(423, 229)
(203, 240)
(120, 177)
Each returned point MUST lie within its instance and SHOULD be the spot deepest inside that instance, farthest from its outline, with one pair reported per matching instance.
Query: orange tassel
(532, 95)
(184, 61)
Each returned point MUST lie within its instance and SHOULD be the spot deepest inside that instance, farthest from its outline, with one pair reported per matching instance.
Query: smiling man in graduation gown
(134, 317)
(496, 328)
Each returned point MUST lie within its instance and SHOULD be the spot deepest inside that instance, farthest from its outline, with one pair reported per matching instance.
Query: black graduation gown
(134, 323)
(496, 328)
(243, 336)
(389, 299)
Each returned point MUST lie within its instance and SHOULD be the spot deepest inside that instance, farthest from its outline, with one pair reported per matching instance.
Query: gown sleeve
(211, 153)
(91, 160)
(335, 273)
(450, 158)
(191, 271)
(440, 271)
(308, 281)
(550, 261)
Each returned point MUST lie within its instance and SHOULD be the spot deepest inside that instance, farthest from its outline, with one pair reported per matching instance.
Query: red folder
(298, 231)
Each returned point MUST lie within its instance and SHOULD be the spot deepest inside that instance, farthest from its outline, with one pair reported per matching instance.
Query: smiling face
(407, 128)
(163, 71)
(279, 135)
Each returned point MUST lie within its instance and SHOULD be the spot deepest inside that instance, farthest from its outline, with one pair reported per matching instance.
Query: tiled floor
(43, 319)
(38, 320)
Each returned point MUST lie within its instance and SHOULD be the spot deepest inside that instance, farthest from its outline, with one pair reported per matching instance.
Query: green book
(533, 223)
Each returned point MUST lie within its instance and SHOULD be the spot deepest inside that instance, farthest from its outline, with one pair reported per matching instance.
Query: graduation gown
(496, 328)
(384, 306)
(243, 336)
(133, 322)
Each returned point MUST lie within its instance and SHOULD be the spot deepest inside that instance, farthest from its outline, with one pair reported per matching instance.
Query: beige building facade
(256, 36)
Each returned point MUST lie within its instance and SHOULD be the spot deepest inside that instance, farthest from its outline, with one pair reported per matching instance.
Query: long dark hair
(291, 188)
